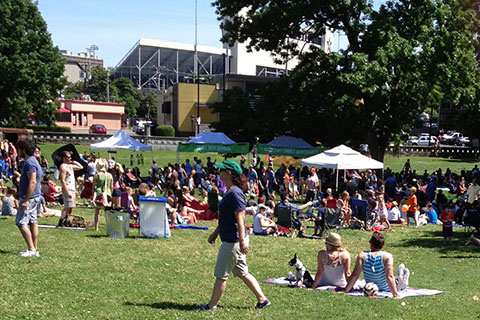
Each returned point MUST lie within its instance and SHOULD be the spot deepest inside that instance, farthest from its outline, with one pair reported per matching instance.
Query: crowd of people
(220, 191)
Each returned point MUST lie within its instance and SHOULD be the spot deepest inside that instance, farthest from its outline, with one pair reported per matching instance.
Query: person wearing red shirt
(447, 219)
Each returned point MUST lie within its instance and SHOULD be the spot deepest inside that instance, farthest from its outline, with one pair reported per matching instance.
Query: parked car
(98, 128)
(462, 141)
(422, 141)
(449, 137)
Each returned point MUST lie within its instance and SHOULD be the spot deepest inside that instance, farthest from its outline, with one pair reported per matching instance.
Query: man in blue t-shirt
(431, 214)
(29, 194)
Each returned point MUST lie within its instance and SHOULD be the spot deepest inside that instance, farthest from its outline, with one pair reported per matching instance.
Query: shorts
(230, 259)
(447, 233)
(263, 233)
(411, 214)
(29, 216)
(117, 193)
(69, 202)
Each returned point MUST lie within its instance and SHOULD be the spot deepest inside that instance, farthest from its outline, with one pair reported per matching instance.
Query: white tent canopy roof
(121, 140)
(341, 158)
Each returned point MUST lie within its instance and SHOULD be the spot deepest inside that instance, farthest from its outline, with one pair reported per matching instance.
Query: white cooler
(153, 217)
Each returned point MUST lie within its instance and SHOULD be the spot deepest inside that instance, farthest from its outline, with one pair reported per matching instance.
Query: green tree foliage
(236, 105)
(148, 105)
(31, 68)
(128, 94)
(402, 57)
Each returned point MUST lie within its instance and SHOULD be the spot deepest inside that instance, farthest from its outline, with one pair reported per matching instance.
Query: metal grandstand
(157, 65)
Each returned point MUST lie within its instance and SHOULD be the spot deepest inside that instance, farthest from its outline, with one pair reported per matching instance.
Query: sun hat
(334, 239)
(262, 206)
(230, 165)
(395, 203)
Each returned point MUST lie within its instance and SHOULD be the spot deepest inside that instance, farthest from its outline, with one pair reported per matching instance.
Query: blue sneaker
(263, 305)
(204, 307)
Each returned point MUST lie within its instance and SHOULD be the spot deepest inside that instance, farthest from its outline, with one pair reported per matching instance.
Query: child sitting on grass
(447, 219)
(9, 203)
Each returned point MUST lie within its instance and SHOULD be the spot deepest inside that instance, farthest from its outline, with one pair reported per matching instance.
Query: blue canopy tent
(288, 146)
(121, 140)
(211, 142)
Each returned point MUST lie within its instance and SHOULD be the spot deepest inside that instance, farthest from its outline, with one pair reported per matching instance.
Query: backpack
(74, 222)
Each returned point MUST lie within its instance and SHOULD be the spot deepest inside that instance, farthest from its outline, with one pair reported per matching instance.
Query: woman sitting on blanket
(333, 263)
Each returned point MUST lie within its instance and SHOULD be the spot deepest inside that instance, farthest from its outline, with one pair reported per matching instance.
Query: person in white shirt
(263, 225)
(394, 213)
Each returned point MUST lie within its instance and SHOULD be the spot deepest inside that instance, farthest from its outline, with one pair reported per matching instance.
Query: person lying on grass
(377, 267)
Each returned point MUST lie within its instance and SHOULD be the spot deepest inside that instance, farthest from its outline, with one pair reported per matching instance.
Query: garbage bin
(118, 222)
(153, 217)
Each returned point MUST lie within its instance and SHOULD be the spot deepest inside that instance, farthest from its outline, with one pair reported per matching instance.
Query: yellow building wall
(187, 100)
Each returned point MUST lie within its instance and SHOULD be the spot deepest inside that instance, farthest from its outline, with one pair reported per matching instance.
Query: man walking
(29, 195)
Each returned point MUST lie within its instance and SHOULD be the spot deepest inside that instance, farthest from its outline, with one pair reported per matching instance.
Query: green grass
(86, 275)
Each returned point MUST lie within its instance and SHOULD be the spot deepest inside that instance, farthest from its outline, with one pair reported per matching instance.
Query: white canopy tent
(121, 140)
(341, 158)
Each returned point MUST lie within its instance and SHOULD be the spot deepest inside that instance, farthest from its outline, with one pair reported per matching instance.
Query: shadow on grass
(460, 257)
(434, 240)
(5, 252)
(170, 305)
(163, 305)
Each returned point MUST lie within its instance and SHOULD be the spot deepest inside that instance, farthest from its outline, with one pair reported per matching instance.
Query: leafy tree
(402, 57)
(31, 68)
(236, 102)
(73, 89)
(148, 105)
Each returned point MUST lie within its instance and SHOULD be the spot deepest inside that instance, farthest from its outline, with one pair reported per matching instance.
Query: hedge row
(165, 131)
(44, 127)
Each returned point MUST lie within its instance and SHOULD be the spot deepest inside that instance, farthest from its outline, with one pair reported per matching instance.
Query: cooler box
(118, 222)
(153, 217)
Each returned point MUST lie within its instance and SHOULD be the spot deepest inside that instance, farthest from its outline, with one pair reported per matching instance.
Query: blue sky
(116, 25)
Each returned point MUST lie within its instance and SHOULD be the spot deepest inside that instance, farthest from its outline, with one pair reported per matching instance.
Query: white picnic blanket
(409, 292)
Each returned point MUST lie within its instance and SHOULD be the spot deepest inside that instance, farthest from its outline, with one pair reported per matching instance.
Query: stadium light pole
(198, 71)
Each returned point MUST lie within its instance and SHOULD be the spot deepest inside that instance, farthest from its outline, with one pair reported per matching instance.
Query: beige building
(178, 107)
(80, 115)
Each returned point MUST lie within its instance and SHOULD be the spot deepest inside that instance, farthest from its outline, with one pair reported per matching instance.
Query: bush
(165, 131)
(44, 127)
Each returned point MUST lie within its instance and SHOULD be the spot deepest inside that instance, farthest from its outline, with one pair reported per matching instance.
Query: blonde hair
(333, 248)
(101, 165)
(413, 189)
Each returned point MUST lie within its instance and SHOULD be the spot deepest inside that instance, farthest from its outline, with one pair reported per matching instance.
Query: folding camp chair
(213, 203)
(332, 219)
(471, 220)
(359, 210)
(285, 218)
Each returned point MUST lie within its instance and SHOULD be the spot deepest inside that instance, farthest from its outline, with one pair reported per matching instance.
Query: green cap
(230, 165)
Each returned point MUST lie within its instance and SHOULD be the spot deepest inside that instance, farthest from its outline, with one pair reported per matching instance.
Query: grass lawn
(86, 275)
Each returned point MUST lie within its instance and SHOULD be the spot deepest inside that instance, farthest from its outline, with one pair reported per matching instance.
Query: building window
(269, 72)
(74, 119)
(80, 119)
(85, 119)
(64, 117)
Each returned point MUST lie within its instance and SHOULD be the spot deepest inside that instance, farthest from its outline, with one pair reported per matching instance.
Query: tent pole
(336, 180)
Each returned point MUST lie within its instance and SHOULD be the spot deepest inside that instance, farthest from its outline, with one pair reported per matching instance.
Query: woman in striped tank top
(377, 267)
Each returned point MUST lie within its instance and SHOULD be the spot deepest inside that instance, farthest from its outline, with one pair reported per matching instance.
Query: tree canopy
(31, 68)
(401, 57)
